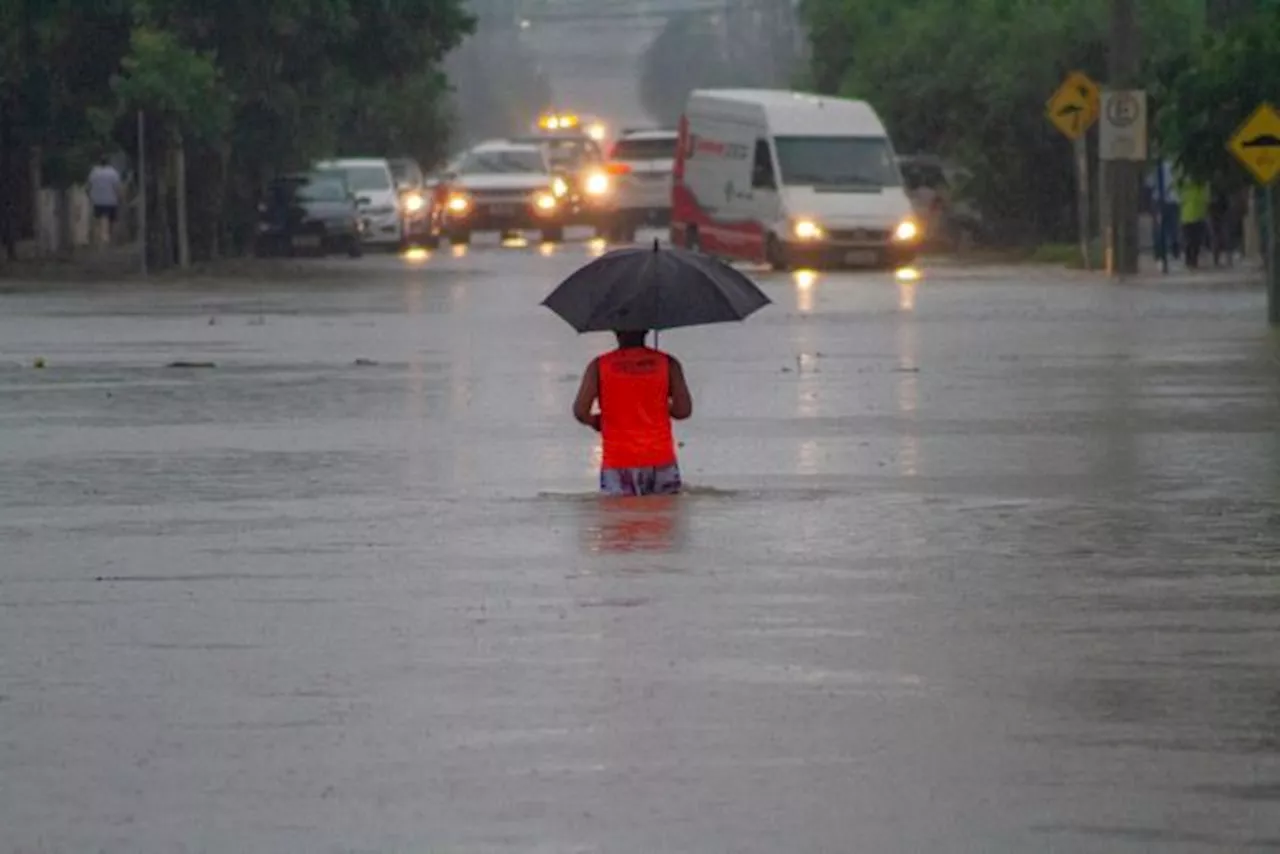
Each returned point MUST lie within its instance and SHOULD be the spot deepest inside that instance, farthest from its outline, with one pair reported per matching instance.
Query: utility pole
(1123, 177)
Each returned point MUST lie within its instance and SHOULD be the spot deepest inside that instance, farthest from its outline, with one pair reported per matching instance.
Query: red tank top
(635, 414)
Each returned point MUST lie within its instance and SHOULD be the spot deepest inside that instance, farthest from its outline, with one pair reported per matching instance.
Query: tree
(1208, 90)
(180, 92)
(969, 82)
(249, 88)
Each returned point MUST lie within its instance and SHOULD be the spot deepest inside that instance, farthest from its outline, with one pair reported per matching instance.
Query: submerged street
(982, 560)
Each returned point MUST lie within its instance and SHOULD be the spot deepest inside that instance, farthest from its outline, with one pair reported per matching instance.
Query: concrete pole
(1123, 176)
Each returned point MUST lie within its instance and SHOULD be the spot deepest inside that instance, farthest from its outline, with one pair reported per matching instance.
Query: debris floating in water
(365, 363)
(38, 362)
(182, 364)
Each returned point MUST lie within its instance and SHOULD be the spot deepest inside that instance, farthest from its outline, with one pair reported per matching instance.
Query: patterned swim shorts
(662, 480)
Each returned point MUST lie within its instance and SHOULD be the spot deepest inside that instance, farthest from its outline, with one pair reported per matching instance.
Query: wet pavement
(983, 562)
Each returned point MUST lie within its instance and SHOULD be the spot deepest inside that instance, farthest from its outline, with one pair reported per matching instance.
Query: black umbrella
(639, 289)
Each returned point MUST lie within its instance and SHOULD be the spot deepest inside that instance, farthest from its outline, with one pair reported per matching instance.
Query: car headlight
(459, 203)
(560, 188)
(807, 229)
(597, 184)
(545, 202)
(414, 202)
(906, 230)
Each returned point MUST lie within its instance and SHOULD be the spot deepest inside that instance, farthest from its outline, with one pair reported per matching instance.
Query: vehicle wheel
(776, 255)
(460, 238)
(355, 248)
(553, 235)
(691, 241)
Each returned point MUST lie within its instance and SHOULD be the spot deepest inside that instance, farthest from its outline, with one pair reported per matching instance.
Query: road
(983, 562)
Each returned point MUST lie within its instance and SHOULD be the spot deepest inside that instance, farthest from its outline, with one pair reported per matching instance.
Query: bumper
(504, 218)
(655, 215)
(382, 229)
(589, 210)
(312, 241)
(824, 254)
(423, 227)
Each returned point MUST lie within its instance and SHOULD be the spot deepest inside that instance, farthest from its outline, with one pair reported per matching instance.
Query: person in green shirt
(1194, 196)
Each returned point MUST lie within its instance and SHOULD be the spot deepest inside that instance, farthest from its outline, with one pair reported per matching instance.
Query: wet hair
(631, 337)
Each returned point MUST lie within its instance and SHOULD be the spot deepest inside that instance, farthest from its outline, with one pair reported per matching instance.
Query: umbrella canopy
(640, 289)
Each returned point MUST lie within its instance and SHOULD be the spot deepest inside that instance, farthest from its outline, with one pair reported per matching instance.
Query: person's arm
(681, 406)
(588, 392)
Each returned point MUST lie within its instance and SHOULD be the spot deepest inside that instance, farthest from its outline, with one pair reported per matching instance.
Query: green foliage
(1211, 88)
(969, 81)
(180, 88)
(252, 86)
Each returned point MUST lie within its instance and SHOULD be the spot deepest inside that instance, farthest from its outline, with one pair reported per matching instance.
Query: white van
(372, 181)
(791, 180)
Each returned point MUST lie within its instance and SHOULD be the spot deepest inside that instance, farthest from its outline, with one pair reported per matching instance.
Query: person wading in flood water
(639, 390)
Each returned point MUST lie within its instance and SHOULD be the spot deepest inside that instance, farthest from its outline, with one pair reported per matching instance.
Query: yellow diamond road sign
(1257, 144)
(1074, 107)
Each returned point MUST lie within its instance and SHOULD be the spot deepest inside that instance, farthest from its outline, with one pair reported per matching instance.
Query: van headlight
(807, 229)
(906, 231)
(597, 184)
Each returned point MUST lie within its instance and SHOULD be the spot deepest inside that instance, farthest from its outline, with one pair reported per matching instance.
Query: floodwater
(987, 561)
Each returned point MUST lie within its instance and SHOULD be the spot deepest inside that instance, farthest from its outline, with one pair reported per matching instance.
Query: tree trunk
(161, 230)
(66, 240)
(36, 183)
(180, 189)
(9, 225)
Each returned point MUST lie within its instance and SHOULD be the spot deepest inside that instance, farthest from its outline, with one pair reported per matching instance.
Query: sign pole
(1162, 227)
(1256, 144)
(1081, 145)
(1273, 269)
(142, 190)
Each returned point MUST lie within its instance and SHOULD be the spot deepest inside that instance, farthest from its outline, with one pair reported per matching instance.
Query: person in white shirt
(1166, 216)
(105, 190)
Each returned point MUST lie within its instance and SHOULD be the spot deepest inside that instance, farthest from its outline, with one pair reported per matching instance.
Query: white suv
(372, 182)
(642, 162)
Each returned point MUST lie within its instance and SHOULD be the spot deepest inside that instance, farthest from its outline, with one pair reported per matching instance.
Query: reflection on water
(653, 523)
(805, 281)
(517, 241)
(416, 255)
(906, 295)
(907, 274)
(596, 247)
(459, 250)
(908, 382)
(546, 250)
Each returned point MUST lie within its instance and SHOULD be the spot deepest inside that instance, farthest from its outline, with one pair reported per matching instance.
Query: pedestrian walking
(639, 390)
(1194, 218)
(1165, 211)
(105, 189)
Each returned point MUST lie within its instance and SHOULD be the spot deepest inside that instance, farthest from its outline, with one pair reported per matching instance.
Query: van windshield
(837, 161)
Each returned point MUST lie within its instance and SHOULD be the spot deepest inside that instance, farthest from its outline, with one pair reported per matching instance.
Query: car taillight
(617, 168)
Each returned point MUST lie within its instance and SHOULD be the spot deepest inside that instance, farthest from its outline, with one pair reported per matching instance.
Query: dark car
(937, 189)
(308, 213)
(423, 216)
